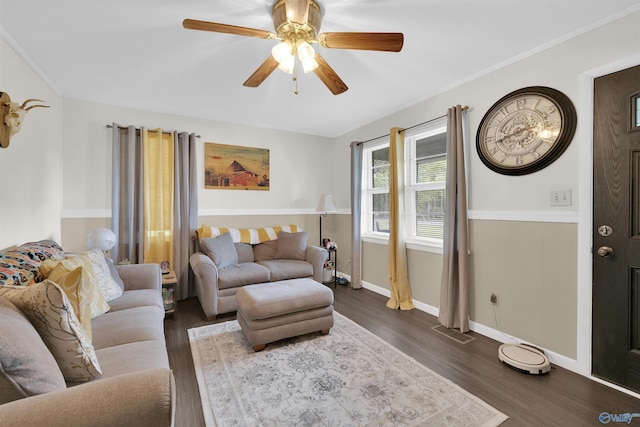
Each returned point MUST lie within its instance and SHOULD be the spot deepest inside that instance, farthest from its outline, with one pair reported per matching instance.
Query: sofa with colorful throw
(229, 258)
(81, 340)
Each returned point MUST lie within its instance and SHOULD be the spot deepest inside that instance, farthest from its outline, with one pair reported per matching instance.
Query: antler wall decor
(12, 115)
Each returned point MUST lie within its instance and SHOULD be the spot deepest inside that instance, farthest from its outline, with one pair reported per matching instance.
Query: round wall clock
(526, 130)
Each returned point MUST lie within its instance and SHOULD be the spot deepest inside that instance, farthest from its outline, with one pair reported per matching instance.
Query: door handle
(605, 251)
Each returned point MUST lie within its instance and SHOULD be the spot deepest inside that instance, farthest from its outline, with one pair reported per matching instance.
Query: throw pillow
(114, 273)
(56, 271)
(221, 250)
(41, 250)
(17, 269)
(27, 367)
(48, 309)
(75, 275)
(109, 287)
(265, 251)
(292, 245)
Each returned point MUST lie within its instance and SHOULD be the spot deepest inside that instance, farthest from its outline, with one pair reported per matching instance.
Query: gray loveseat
(221, 267)
(136, 386)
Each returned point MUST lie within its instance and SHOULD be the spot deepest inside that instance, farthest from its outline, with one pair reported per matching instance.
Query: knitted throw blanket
(246, 235)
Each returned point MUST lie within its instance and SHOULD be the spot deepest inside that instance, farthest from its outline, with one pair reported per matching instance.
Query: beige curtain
(397, 262)
(158, 196)
(454, 291)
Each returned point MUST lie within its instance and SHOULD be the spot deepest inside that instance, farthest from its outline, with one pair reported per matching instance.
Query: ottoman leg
(259, 347)
(324, 331)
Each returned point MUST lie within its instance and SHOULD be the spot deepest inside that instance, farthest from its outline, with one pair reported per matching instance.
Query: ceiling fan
(297, 23)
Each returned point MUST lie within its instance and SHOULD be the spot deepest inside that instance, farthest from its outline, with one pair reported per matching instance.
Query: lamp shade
(326, 204)
(102, 238)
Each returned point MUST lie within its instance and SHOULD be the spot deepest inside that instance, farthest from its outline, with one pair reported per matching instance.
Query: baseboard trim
(558, 359)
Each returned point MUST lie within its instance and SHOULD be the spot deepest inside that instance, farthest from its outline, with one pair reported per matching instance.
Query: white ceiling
(135, 53)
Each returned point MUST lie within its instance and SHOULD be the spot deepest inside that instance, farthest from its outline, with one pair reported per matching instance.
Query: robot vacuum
(524, 358)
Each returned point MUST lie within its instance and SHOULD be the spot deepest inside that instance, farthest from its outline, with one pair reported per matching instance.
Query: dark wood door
(616, 233)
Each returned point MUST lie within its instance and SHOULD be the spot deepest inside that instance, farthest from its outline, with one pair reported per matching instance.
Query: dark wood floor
(559, 398)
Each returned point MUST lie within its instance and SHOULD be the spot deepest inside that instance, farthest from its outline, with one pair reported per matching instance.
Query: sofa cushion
(137, 298)
(48, 309)
(27, 367)
(133, 357)
(221, 250)
(242, 274)
(283, 269)
(291, 245)
(126, 326)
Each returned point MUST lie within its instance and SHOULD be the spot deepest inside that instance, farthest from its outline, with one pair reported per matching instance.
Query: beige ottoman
(269, 312)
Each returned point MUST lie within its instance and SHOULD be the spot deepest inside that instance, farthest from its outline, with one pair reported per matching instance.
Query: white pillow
(106, 283)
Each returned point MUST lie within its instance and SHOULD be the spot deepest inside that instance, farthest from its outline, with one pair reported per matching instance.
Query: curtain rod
(151, 130)
(465, 108)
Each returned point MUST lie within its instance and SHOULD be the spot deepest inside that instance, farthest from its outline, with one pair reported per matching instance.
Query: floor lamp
(325, 206)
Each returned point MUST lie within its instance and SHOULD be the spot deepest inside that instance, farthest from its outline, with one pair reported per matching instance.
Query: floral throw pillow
(17, 269)
(51, 314)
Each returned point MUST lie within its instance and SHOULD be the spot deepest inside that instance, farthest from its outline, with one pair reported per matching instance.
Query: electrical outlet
(493, 298)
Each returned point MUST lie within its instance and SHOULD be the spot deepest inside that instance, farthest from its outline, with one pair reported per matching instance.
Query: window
(375, 204)
(426, 176)
(425, 171)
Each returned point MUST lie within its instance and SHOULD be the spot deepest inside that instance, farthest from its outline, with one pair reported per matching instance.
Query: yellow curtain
(397, 263)
(158, 193)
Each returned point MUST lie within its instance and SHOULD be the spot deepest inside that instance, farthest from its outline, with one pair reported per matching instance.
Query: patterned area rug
(347, 378)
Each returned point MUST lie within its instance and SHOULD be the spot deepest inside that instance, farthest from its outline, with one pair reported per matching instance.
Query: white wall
(298, 163)
(31, 167)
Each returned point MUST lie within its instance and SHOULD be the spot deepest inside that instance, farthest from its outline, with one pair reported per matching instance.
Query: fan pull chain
(295, 74)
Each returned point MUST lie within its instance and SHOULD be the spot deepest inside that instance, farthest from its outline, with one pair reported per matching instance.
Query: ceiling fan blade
(297, 11)
(329, 77)
(387, 42)
(193, 24)
(262, 72)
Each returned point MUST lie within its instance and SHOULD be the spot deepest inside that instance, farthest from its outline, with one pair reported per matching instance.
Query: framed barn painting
(232, 167)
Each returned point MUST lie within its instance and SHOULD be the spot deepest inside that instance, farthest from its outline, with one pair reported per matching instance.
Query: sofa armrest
(206, 275)
(140, 276)
(144, 398)
(316, 256)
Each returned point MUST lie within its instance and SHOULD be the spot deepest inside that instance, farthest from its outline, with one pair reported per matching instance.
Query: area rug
(347, 378)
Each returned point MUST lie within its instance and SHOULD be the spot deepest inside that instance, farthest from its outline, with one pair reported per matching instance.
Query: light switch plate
(561, 198)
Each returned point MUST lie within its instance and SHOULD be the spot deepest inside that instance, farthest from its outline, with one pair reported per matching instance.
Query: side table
(334, 259)
(169, 283)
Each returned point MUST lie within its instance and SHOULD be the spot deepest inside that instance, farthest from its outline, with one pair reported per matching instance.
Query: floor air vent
(453, 334)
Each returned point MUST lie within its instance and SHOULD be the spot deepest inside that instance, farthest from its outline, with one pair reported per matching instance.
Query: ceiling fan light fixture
(307, 56)
(282, 53)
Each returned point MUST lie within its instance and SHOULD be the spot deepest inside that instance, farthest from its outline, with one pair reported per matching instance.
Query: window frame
(368, 190)
(414, 242)
(434, 127)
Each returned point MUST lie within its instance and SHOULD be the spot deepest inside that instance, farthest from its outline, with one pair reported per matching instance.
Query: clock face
(526, 130)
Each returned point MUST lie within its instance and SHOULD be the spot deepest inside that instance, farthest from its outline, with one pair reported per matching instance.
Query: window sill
(413, 244)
